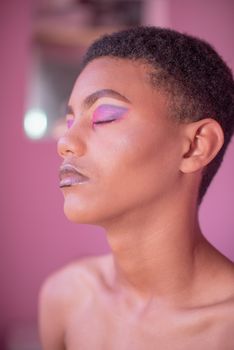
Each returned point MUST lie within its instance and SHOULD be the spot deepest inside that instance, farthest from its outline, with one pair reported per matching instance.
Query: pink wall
(212, 20)
(35, 236)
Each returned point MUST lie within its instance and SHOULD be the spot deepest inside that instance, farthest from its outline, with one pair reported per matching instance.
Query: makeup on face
(106, 113)
(69, 123)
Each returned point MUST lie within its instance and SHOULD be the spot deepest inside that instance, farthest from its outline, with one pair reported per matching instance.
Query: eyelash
(104, 121)
(70, 122)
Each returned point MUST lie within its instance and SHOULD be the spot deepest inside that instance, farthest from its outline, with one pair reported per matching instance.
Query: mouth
(70, 176)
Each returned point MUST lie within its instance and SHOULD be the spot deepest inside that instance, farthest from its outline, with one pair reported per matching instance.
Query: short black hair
(198, 82)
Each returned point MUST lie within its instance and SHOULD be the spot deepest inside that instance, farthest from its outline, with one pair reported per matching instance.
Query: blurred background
(41, 45)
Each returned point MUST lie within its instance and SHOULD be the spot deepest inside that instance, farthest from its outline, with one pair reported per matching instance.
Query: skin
(163, 286)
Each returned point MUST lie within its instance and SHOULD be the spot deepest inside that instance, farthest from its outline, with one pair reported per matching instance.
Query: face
(120, 137)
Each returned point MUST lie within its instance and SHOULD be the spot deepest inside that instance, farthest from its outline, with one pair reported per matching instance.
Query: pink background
(36, 238)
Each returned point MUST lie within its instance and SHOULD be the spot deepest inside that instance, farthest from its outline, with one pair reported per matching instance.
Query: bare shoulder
(224, 280)
(63, 290)
(222, 311)
(75, 277)
(216, 292)
(227, 285)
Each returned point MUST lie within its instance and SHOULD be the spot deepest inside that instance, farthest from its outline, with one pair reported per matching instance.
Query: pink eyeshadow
(108, 112)
(69, 123)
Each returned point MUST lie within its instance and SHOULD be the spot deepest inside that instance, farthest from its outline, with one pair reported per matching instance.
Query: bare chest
(101, 329)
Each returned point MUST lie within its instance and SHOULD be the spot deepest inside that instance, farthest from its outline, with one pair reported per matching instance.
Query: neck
(156, 249)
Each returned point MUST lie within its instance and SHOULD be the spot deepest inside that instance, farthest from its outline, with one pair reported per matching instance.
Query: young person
(148, 122)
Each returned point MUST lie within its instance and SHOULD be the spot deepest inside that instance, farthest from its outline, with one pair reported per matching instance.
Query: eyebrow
(91, 99)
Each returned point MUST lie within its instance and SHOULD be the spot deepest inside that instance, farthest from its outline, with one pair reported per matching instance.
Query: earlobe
(202, 141)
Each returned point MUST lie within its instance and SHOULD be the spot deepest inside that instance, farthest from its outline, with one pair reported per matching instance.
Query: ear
(202, 141)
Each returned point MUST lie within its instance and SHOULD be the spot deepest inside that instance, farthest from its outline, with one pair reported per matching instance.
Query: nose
(71, 143)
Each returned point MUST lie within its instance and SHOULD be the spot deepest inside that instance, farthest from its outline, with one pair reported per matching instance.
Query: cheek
(147, 149)
(130, 172)
(140, 165)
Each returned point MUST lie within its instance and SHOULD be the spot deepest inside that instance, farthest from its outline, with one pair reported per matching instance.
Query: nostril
(62, 147)
(69, 144)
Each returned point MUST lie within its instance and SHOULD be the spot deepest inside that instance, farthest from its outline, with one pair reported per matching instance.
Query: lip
(69, 176)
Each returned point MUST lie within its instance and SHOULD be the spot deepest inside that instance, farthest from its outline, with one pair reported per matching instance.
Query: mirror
(62, 30)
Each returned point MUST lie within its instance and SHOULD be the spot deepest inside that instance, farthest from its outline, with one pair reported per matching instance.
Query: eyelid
(108, 112)
(108, 108)
(104, 121)
(110, 101)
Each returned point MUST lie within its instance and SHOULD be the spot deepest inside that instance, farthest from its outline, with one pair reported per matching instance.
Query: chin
(96, 211)
(87, 214)
(76, 208)
(82, 214)
(77, 215)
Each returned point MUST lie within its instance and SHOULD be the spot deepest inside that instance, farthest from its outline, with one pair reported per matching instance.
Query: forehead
(127, 77)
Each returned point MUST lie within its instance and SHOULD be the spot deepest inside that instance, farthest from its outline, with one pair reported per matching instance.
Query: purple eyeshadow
(69, 123)
(108, 112)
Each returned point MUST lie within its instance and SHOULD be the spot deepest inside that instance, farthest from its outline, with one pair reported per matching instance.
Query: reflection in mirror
(62, 32)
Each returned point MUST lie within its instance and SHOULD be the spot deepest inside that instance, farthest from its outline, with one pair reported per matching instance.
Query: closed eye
(104, 121)
(107, 113)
